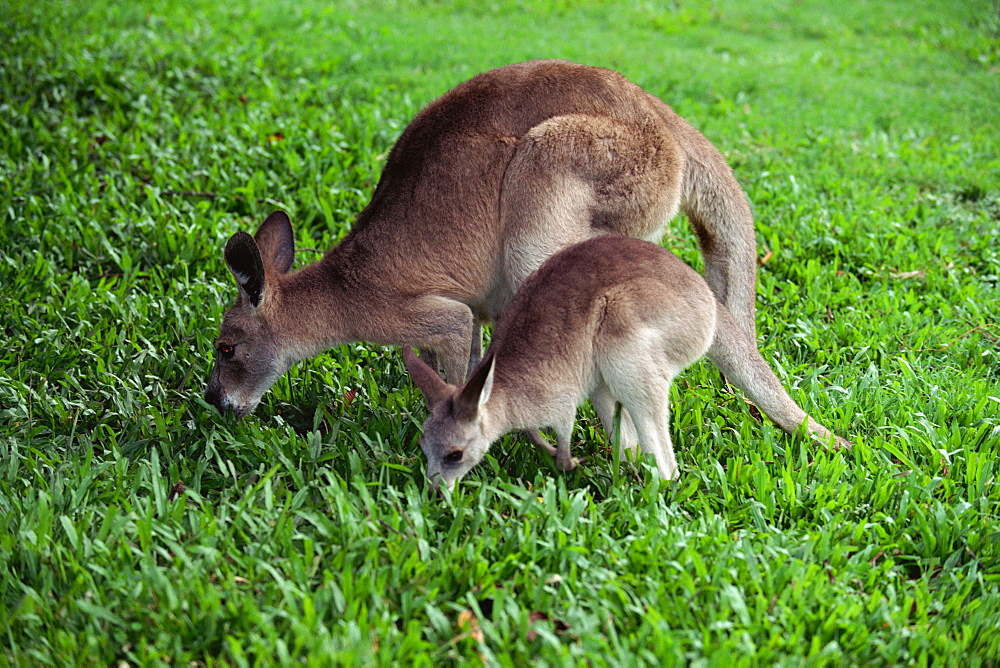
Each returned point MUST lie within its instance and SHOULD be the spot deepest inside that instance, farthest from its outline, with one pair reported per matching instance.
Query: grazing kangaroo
(483, 185)
(611, 318)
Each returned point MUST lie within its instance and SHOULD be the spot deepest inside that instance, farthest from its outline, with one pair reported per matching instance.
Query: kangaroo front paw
(539, 441)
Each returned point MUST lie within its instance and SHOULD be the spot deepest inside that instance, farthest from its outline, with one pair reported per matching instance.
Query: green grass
(142, 527)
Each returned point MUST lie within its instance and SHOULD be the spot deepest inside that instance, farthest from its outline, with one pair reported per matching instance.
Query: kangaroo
(483, 185)
(612, 318)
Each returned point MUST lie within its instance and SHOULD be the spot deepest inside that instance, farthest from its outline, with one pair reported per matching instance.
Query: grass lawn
(142, 527)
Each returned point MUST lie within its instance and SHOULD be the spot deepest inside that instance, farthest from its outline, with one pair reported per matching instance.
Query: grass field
(142, 527)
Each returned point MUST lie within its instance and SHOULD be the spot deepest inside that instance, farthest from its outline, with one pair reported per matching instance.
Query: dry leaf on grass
(177, 489)
(900, 276)
(468, 624)
(348, 396)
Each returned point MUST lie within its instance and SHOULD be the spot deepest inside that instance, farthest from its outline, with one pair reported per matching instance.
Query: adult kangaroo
(483, 185)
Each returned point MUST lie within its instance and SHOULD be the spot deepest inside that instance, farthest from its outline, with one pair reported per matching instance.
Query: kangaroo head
(250, 349)
(455, 436)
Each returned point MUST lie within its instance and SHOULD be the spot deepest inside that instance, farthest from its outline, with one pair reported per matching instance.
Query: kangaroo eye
(227, 352)
(453, 457)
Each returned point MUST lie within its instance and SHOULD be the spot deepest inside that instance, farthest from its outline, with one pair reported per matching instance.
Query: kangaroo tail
(720, 215)
(736, 356)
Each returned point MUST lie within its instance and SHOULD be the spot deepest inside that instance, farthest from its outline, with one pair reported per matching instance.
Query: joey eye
(453, 457)
(227, 352)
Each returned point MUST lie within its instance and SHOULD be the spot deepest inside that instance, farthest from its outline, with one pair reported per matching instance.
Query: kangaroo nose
(214, 397)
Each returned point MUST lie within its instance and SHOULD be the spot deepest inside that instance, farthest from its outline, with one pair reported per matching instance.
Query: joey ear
(276, 242)
(425, 378)
(243, 259)
(476, 391)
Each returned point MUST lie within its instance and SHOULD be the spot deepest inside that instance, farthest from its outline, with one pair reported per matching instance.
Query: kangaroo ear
(476, 391)
(243, 259)
(276, 242)
(426, 379)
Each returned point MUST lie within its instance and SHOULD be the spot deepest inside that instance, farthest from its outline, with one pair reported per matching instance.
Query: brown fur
(611, 318)
(485, 184)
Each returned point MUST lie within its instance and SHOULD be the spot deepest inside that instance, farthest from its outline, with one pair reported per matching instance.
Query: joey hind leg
(604, 405)
(652, 423)
(648, 406)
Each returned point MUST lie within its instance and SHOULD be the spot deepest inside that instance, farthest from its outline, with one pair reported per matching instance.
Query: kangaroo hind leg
(604, 405)
(638, 371)
(649, 407)
(644, 421)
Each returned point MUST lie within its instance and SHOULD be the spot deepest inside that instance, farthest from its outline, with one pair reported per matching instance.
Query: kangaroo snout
(437, 483)
(214, 397)
(222, 403)
(213, 392)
